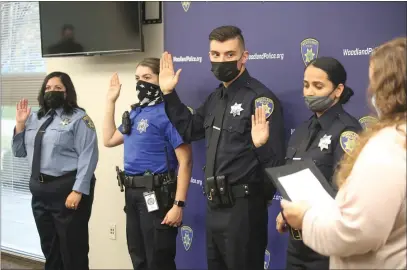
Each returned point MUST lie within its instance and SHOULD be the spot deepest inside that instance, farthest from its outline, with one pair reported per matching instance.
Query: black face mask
(148, 94)
(225, 71)
(54, 99)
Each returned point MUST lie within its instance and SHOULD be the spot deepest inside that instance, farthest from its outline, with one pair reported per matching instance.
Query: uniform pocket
(235, 125)
(62, 137)
(30, 134)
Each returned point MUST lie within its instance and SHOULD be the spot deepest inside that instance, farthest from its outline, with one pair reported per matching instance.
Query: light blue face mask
(374, 105)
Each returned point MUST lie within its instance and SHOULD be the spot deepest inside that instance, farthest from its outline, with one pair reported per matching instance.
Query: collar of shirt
(241, 81)
(327, 118)
(153, 107)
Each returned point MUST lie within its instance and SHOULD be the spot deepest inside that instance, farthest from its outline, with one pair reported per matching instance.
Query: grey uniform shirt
(69, 144)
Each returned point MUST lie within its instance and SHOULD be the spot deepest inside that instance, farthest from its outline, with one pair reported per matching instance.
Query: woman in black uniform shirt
(324, 138)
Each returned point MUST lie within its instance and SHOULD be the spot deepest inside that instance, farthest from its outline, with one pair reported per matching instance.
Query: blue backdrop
(274, 32)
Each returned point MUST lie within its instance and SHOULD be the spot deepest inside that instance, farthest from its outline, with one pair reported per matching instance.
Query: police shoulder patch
(367, 121)
(348, 141)
(89, 123)
(266, 103)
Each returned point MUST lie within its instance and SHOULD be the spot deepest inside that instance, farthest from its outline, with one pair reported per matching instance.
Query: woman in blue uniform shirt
(61, 145)
(149, 141)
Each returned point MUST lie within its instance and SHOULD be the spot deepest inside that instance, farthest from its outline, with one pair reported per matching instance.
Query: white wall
(91, 77)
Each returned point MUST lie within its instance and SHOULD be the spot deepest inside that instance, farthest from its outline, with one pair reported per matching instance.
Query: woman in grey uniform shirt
(61, 146)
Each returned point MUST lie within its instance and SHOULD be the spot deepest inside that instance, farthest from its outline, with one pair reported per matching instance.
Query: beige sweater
(366, 226)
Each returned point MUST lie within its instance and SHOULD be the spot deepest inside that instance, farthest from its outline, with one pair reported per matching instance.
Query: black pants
(301, 257)
(151, 245)
(237, 236)
(63, 232)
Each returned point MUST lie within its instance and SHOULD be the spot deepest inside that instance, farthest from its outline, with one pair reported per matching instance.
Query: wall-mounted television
(90, 28)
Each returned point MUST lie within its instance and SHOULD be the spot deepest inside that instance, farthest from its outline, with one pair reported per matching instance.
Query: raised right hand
(23, 111)
(168, 78)
(114, 88)
(281, 225)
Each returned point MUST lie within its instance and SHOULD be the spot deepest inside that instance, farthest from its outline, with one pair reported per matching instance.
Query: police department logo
(187, 234)
(367, 121)
(266, 259)
(186, 5)
(348, 141)
(267, 104)
(309, 50)
(89, 123)
(150, 201)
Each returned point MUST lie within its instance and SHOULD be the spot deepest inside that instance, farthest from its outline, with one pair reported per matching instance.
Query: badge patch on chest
(324, 142)
(142, 125)
(65, 122)
(89, 123)
(236, 109)
(267, 104)
(348, 141)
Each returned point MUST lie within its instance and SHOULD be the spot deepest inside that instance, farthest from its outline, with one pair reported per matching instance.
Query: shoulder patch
(348, 141)
(89, 123)
(367, 121)
(266, 103)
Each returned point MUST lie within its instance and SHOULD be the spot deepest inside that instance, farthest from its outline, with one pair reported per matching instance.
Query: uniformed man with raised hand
(234, 172)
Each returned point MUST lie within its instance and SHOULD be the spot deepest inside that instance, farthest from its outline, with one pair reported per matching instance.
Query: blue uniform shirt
(144, 147)
(69, 144)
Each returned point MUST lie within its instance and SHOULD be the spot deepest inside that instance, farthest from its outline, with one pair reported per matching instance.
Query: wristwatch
(179, 203)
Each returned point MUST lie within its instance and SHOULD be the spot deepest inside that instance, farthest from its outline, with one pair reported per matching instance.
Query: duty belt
(147, 181)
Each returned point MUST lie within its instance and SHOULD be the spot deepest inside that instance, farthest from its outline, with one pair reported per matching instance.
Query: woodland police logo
(348, 141)
(266, 259)
(187, 234)
(186, 5)
(309, 50)
(367, 121)
(267, 104)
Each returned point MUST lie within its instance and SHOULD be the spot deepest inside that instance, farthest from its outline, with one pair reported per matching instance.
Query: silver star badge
(236, 109)
(142, 125)
(65, 122)
(324, 142)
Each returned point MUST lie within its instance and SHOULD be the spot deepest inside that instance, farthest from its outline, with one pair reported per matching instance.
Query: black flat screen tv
(90, 28)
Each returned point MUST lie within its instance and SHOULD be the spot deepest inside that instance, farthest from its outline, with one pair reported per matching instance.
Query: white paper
(304, 186)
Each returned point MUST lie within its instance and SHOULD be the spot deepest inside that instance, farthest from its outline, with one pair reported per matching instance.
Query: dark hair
(336, 74)
(70, 104)
(227, 32)
(67, 27)
(152, 63)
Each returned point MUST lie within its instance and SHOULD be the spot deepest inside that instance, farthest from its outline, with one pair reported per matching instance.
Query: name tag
(151, 201)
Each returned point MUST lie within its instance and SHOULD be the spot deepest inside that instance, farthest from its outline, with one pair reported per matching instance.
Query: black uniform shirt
(236, 157)
(337, 135)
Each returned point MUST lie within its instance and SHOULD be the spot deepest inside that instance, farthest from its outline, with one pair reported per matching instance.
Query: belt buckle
(41, 178)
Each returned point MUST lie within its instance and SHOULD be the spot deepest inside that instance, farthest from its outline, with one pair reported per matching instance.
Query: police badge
(187, 234)
(309, 50)
(186, 5)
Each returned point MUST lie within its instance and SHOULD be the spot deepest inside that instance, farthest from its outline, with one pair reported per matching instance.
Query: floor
(11, 262)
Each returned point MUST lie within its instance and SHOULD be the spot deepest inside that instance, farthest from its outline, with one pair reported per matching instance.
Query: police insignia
(367, 121)
(267, 104)
(266, 259)
(89, 123)
(309, 50)
(348, 141)
(186, 5)
(187, 234)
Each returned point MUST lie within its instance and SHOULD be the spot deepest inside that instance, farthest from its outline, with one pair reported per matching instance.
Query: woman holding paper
(366, 227)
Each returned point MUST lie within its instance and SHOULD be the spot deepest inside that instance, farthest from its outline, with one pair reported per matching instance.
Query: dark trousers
(237, 236)
(301, 257)
(63, 232)
(152, 246)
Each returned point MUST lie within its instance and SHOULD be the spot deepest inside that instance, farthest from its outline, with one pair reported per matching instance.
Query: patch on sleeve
(266, 103)
(348, 141)
(367, 121)
(89, 123)
(190, 109)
